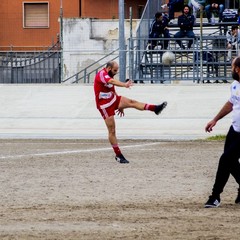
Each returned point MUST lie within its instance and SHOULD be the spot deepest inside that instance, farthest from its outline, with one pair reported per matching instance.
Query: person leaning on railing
(214, 5)
(233, 41)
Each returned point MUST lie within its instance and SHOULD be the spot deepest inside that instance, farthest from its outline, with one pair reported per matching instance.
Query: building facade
(35, 24)
(109, 9)
(32, 24)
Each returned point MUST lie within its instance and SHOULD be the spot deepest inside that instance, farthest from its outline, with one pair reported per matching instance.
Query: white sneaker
(164, 5)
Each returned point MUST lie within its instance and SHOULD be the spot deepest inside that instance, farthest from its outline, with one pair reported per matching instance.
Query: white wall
(69, 111)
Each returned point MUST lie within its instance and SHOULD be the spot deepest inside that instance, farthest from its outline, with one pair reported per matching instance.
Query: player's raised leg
(129, 103)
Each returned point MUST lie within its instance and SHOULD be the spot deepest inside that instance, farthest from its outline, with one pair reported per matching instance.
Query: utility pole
(61, 40)
(130, 46)
(201, 44)
(122, 47)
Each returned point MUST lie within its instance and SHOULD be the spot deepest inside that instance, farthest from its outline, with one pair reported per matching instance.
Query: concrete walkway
(68, 111)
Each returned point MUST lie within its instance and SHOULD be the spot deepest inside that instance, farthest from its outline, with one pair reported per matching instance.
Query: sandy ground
(74, 189)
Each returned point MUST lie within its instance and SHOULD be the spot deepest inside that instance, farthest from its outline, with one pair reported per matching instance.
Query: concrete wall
(68, 111)
(87, 40)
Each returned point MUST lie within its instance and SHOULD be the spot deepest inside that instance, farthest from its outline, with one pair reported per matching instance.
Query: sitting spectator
(173, 6)
(195, 5)
(157, 29)
(217, 5)
(233, 40)
(185, 22)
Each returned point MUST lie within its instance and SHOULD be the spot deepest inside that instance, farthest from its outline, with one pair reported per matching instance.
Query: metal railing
(146, 66)
(187, 65)
(30, 67)
(152, 6)
(88, 73)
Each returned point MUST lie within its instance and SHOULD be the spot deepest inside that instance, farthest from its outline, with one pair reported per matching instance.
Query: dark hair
(237, 62)
(158, 14)
(234, 27)
(187, 7)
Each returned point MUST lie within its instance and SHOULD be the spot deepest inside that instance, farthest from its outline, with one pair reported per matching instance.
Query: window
(35, 15)
(140, 11)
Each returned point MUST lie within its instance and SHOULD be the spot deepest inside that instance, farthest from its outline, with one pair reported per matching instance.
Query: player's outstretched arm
(227, 108)
(118, 83)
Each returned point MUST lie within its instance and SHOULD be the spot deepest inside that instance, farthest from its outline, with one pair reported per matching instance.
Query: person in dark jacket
(212, 5)
(158, 28)
(185, 22)
(173, 6)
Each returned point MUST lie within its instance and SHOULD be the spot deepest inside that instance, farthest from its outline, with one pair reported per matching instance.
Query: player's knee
(112, 131)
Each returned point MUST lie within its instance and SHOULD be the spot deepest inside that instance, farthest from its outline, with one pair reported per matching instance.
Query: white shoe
(164, 5)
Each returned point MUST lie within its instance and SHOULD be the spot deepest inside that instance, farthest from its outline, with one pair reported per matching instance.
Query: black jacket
(157, 27)
(186, 22)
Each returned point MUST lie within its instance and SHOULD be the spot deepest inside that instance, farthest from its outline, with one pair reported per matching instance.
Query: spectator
(157, 29)
(173, 6)
(195, 5)
(185, 22)
(217, 5)
(238, 20)
(233, 40)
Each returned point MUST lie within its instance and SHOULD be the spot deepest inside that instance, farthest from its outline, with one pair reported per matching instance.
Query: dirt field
(74, 189)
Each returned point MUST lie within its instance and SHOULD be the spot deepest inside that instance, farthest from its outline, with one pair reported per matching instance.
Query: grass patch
(217, 138)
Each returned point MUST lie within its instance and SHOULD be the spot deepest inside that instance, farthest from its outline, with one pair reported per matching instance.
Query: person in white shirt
(229, 160)
(233, 41)
(196, 5)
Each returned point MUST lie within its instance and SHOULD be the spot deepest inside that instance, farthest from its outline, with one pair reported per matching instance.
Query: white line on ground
(74, 151)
